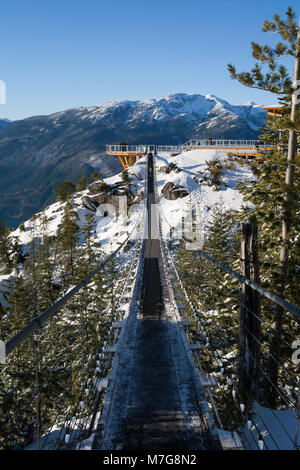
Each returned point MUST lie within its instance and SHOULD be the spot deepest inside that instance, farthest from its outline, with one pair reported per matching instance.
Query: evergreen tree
(276, 187)
(64, 191)
(16, 411)
(45, 266)
(58, 360)
(68, 237)
(216, 298)
(125, 177)
(5, 249)
(280, 208)
(89, 247)
(82, 183)
(220, 234)
(215, 169)
(95, 176)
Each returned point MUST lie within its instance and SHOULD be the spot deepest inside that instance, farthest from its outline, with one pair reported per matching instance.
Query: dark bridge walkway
(155, 419)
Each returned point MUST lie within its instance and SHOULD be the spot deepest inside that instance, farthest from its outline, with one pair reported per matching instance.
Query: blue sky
(57, 55)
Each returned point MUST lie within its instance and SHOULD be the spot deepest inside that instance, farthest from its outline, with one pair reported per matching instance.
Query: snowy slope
(110, 232)
(193, 165)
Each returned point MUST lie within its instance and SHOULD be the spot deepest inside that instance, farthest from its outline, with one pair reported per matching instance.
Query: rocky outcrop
(98, 187)
(101, 193)
(172, 192)
(169, 168)
(89, 203)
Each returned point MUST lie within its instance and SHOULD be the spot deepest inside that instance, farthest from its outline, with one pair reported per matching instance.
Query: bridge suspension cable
(42, 319)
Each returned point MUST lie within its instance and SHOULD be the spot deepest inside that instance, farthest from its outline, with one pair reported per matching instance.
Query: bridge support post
(250, 327)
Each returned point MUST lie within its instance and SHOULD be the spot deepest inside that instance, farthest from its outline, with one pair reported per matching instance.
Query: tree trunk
(250, 328)
(290, 170)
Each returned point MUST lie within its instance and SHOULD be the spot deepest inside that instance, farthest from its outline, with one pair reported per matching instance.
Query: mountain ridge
(4, 123)
(39, 152)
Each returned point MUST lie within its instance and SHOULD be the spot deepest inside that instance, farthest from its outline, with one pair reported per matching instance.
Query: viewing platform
(128, 154)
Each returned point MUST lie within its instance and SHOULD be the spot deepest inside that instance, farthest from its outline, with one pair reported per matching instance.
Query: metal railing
(220, 143)
(239, 146)
(226, 143)
(170, 148)
(141, 149)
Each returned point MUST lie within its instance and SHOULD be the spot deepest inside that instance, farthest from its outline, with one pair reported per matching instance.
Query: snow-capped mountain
(38, 153)
(173, 119)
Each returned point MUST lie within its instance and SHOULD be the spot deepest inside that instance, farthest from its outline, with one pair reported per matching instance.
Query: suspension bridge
(163, 378)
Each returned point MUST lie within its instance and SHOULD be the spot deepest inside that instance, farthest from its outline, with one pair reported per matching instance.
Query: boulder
(172, 192)
(102, 193)
(169, 168)
(163, 169)
(88, 203)
(98, 187)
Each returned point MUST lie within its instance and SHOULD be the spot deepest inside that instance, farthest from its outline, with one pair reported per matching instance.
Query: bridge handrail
(252, 145)
(225, 143)
(262, 290)
(243, 279)
(41, 319)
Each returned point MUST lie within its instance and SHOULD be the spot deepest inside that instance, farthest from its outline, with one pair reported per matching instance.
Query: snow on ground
(57, 436)
(110, 232)
(193, 165)
(3, 279)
